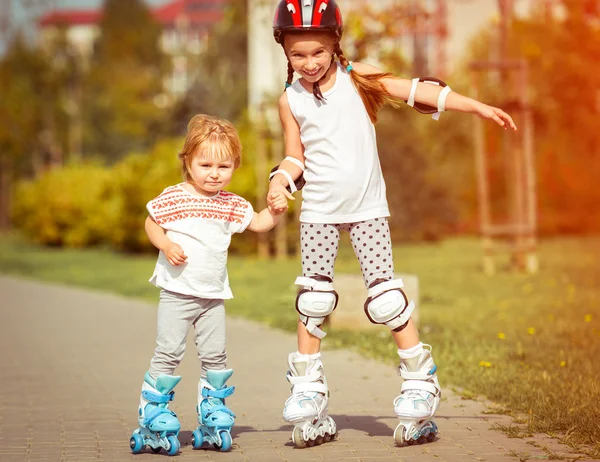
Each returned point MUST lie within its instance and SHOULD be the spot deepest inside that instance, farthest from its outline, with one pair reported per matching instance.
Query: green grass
(542, 367)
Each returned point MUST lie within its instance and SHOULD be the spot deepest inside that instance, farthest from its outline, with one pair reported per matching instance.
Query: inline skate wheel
(399, 435)
(297, 438)
(136, 443)
(174, 445)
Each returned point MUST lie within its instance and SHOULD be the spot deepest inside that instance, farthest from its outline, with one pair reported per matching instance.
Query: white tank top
(344, 183)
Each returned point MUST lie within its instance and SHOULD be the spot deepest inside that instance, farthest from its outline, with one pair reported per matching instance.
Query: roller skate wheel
(197, 439)
(225, 441)
(297, 438)
(399, 435)
(431, 437)
(136, 443)
(173, 445)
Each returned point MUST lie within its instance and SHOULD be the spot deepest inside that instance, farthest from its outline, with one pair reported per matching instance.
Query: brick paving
(73, 363)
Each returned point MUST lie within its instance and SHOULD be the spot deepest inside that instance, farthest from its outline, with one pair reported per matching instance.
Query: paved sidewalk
(73, 363)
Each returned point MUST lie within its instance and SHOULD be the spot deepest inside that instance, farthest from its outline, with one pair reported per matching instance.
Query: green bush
(135, 180)
(85, 205)
(64, 207)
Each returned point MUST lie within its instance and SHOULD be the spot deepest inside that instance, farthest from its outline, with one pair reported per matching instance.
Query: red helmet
(303, 15)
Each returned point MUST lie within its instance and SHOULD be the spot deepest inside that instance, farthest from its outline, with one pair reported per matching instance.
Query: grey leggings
(176, 314)
(370, 239)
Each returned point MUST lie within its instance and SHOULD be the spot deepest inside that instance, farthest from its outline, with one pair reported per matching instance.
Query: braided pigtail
(369, 87)
(290, 76)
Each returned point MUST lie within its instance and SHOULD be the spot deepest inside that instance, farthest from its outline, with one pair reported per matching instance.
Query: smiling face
(310, 53)
(210, 174)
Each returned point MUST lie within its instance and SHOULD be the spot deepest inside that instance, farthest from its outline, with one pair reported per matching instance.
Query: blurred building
(186, 26)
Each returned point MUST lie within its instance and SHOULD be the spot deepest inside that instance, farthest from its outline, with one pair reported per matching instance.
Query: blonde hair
(370, 88)
(211, 137)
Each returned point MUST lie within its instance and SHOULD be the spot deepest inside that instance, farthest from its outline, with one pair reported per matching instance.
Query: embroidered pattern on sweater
(174, 205)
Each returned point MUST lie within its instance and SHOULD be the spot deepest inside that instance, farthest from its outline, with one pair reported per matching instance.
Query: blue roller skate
(159, 426)
(214, 417)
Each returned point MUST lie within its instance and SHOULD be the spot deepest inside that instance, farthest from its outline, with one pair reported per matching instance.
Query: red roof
(198, 12)
(71, 17)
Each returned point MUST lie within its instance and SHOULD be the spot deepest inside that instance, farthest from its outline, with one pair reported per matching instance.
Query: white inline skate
(159, 426)
(214, 417)
(306, 408)
(419, 399)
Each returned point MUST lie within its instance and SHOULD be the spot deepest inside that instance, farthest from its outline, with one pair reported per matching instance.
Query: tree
(124, 82)
(220, 86)
(22, 79)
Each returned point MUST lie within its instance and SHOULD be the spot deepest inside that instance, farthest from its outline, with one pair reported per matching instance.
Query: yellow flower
(485, 364)
(531, 331)
(587, 318)
(563, 363)
(501, 335)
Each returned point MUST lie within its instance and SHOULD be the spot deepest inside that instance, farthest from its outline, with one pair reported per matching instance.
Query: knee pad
(315, 302)
(387, 304)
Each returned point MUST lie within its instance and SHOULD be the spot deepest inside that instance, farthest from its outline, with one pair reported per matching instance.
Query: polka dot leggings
(371, 242)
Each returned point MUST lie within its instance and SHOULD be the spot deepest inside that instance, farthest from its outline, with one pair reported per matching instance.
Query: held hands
(497, 115)
(277, 202)
(277, 198)
(175, 254)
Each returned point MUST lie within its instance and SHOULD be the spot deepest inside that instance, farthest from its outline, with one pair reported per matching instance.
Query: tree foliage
(23, 79)
(124, 81)
(561, 53)
(220, 84)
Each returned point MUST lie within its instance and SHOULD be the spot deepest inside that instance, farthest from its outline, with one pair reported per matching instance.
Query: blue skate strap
(155, 413)
(157, 397)
(219, 407)
(222, 393)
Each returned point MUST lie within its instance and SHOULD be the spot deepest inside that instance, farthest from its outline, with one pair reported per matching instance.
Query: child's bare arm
(172, 251)
(268, 218)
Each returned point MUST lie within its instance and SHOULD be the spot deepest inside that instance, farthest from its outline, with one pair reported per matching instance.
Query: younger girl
(327, 117)
(191, 224)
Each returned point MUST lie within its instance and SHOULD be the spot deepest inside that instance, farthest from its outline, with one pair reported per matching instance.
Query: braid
(370, 88)
(290, 76)
(340, 54)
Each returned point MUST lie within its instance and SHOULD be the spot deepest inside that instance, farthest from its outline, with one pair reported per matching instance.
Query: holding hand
(175, 254)
(277, 202)
(277, 198)
(497, 115)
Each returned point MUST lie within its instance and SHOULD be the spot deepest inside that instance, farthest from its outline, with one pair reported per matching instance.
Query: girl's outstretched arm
(428, 94)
